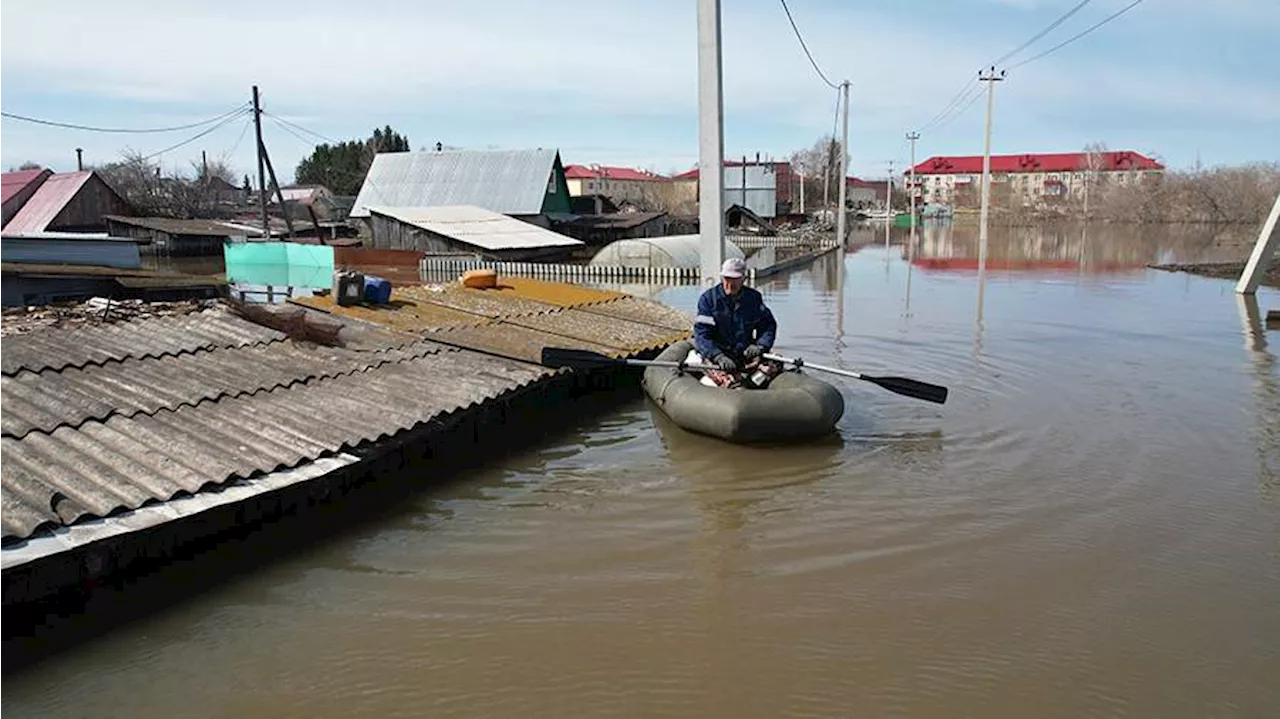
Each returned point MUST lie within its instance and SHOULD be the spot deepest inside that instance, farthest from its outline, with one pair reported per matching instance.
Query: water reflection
(1266, 391)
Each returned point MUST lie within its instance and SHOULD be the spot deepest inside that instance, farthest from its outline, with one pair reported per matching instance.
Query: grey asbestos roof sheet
(44, 402)
(98, 344)
(99, 468)
(512, 182)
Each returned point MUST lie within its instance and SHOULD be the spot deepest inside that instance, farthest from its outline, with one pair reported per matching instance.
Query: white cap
(733, 267)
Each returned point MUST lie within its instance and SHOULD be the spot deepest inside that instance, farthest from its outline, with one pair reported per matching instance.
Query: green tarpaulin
(282, 264)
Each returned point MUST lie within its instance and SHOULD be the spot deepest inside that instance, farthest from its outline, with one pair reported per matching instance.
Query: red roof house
(68, 201)
(19, 187)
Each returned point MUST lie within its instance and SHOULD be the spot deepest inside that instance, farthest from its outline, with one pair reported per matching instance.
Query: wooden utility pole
(262, 152)
(262, 182)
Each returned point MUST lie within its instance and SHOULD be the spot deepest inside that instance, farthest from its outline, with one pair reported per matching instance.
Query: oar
(564, 357)
(901, 385)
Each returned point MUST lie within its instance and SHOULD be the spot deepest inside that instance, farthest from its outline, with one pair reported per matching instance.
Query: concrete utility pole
(262, 184)
(710, 142)
(1263, 252)
(991, 78)
(911, 189)
(844, 163)
(801, 174)
(888, 208)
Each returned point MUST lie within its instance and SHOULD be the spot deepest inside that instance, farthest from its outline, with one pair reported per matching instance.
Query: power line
(961, 111)
(296, 126)
(193, 138)
(961, 97)
(956, 101)
(1077, 36)
(805, 47)
(1042, 33)
(291, 131)
(239, 139)
(88, 128)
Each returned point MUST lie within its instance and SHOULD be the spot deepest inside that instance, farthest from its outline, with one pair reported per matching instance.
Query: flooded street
(1089, 527)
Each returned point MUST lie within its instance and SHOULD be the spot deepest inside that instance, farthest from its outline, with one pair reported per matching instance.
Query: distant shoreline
(1221, 270)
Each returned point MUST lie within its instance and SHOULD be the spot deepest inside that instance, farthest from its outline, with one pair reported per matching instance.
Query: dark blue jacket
(728, 325)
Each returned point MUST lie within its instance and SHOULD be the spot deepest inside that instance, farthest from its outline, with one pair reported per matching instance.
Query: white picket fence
(458, 265)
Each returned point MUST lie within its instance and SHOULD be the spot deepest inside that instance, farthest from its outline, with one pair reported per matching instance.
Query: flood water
(1089, 527)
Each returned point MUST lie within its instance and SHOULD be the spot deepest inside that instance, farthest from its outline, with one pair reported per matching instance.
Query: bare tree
(820, 165)
(142, 184)
(1094, 160)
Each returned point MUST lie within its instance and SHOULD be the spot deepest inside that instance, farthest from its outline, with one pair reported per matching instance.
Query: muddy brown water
(1089, 527)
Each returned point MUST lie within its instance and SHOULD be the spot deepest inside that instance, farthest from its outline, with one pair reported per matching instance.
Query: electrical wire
(193, 138)
(291, 131)
(805, 47)
(296, 126)
(1042, 33)
(960, 98)
(961, 111)
(235, 112)
(1077, 36)
(243, 131)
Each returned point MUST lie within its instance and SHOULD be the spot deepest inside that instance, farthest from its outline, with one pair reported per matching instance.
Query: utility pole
(710, 142)
(801, 174)
(80, 159)
(204, 166)
(844, 164)
(888, 208)
(912, 136)
(262, 184)
(991, 78)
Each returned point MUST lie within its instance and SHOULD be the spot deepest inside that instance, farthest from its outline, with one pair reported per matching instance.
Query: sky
(615, 81)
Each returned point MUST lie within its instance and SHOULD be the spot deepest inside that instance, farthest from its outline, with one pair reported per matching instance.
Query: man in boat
(734, 329)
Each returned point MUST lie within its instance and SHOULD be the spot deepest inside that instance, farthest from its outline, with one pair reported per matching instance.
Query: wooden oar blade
(558, 357)
(911, 388)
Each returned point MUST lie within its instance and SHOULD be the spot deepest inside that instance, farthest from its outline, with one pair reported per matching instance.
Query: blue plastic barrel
(377, 290)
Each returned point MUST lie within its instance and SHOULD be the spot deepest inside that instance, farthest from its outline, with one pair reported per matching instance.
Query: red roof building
(1031, 177)
(19, 187)
(618, 174)
(1119, 161)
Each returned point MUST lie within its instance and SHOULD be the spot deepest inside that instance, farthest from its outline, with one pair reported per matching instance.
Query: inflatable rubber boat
(794, 406)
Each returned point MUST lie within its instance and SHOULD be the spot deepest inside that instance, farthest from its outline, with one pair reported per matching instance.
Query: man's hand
(726, 363)
(752, 352)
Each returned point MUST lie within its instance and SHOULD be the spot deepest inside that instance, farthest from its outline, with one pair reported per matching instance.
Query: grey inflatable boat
(794, 406)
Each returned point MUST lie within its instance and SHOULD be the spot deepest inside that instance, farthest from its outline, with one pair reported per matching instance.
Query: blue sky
(614, 81)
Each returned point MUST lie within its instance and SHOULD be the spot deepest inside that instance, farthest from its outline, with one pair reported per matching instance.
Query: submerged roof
(513, 182)
(478, 226)
(54, 195)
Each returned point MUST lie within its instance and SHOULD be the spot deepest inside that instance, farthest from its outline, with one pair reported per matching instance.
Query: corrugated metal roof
(71, 397)
(47, 202)
(477, 227)
(14, 182)
(98, 344)
(513, 182)
(127, 462)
